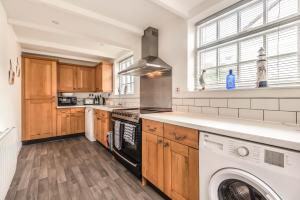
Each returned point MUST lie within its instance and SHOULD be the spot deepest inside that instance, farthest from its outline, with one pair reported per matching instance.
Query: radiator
(9, 149)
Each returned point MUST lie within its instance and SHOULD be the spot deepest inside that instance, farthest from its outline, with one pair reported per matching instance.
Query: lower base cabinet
(171, 165)
(102, 125)
(70, 121)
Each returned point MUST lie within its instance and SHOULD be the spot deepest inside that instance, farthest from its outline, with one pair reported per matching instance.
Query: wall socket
(177, 89)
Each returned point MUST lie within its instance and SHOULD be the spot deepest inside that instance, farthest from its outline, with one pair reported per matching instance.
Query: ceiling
(89, 30)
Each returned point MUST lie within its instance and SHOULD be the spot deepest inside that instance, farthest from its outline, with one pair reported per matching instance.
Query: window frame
(241, 35)
(119, 77)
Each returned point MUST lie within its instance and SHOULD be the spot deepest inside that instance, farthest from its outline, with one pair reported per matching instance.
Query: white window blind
(231, 39)
(126, 81)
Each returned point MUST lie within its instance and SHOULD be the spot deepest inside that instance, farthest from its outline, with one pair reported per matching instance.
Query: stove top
(133, 114)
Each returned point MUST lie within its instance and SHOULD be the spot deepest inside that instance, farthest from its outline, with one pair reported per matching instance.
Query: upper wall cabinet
(85, 79)
(72, 78)
(66, 78)
(104, 77)
(40, 81)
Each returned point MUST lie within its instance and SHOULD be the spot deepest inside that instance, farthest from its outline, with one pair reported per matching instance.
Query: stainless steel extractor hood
(150, 62)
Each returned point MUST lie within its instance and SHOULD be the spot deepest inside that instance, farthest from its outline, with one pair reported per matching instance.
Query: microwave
(67, 101)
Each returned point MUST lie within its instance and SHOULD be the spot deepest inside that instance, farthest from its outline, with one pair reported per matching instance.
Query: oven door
(130, 153)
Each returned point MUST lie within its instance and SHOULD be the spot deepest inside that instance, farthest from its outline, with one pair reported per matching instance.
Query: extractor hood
(150, 62)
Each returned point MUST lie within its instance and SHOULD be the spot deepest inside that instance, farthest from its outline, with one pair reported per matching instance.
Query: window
(231, 39)
(126, 82)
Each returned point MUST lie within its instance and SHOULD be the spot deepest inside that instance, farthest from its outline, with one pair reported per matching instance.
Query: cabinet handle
(166, 144)
(179, 138)
(152, 129)
(159, 141)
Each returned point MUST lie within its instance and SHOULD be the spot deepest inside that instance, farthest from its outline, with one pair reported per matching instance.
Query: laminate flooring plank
(74, 169)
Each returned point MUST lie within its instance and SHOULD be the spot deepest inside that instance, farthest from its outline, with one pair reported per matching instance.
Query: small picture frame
(11, 74)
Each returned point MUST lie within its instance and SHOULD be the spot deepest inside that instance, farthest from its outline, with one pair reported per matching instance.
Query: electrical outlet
(177, 89)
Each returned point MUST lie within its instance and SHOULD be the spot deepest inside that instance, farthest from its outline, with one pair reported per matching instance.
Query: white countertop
(286, 136)
(99, 107)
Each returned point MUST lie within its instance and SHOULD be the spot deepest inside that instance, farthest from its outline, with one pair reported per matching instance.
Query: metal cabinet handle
(166, 144)
(159, 141)
(179, 138)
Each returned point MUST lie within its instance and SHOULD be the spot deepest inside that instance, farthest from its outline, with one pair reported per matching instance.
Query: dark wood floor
(73, 169)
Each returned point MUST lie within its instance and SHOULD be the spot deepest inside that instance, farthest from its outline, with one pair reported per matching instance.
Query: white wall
(10, 100)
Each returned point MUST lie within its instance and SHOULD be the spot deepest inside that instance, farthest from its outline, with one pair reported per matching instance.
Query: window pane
(211, 76)
(228, 55)
(249, 48)
(252, 16)
(208, 33)
(277, 9)
(228, 26)
(224, 71)
(247, 73)
(282, 42)
(208, 59)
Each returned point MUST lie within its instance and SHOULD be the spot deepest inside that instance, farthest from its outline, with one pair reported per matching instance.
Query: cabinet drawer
(102, 114)
(64, 110)
(182, 135)
(77, 110)
(153, 127)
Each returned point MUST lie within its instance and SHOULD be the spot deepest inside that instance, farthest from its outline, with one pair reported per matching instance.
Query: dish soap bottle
(230, 80)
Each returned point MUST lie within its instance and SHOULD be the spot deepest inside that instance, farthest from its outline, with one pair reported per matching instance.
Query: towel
(129, 133)
(117, 135)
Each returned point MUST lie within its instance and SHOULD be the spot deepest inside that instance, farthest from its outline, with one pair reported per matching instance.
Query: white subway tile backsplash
(182, 108)
(202, 102)
(280, 116)
(251, 114)
(228, 112)
(218, 103)
(239, 103)
(265, 104)
(188, 102)
(177, 101)
(210, 110)
(195, 109)
(290, 104)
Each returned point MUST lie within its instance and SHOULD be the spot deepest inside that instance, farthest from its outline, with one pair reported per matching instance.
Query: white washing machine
(234, 169)
(89, 124)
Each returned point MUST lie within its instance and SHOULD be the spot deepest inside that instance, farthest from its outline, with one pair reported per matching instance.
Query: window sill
(250, 89)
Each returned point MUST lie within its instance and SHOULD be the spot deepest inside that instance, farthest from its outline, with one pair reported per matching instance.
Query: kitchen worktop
(100, 107)
(286, 136)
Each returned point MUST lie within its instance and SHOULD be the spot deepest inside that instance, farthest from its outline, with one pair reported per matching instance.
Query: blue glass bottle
(230, 80)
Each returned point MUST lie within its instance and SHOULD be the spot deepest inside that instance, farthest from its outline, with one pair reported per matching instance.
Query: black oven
(129, 154)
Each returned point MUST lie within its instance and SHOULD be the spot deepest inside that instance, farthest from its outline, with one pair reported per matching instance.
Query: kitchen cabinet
(102, 125)
(39, 119)
(85, 79)
(104, 77)
(39, 78)
(39, 87)
(77, 123)
(170, 159)
(63, 122)
(66, 78)
(153, 159)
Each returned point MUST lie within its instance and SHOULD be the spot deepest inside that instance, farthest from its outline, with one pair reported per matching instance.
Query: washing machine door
(235, 184)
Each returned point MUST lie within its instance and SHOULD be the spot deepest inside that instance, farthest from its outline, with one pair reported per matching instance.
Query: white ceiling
(89, 29)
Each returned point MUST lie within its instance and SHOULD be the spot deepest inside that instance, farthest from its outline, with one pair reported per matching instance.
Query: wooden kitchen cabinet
(77, 118)
(39, 119)
(39, 78)
(102, 125)
(85, 79)
(104, 77)
(66, 78)
(153, 159)
(63, 122)
(39, 88)
(181, 171)
(170, 159)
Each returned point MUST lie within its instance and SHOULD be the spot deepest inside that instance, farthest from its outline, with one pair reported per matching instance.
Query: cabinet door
(152, 159)
(77, 122)
(66, 78)
(104, 130)
(39, 78)
(63, 122)
(181, 172)
(97, 127)
(104, 77)
(85, 79)
(40, 119)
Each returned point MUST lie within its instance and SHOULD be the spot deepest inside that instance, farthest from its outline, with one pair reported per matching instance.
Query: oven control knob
(243, 151)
